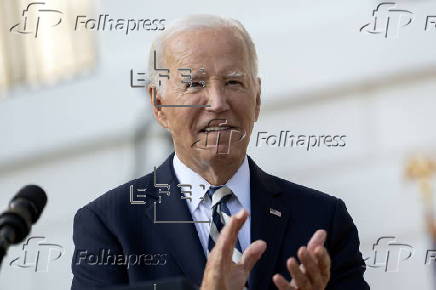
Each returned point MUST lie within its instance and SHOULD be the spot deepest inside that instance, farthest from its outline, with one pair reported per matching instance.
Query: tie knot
(218, 193)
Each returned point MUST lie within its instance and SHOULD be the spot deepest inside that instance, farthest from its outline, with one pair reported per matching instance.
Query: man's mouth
(218, 134)
(216, 129)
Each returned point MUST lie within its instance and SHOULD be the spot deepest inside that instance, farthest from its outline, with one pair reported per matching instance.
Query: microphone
(24, 210)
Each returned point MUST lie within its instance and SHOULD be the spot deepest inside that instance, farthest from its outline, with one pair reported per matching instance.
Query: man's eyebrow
(235, 74)
(198, 74)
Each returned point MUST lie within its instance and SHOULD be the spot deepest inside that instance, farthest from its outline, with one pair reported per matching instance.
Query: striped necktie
(220, 195)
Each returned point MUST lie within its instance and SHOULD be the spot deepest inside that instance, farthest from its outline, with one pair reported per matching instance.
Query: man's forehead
(209, 49)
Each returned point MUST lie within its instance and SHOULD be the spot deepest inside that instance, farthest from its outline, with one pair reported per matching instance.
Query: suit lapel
(181, 239)
(269, 217)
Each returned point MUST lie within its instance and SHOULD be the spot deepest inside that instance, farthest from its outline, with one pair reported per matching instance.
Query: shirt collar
(239, 183)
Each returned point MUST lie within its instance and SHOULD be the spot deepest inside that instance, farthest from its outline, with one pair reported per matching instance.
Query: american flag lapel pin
(275, 212)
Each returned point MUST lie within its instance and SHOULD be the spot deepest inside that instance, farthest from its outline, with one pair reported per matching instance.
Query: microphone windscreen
(34, 194)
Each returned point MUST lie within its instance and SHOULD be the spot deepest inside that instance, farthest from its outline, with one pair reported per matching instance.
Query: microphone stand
(6, 236)
(2, 254)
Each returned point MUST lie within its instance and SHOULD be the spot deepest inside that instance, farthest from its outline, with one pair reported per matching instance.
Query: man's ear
(258, 100)
(155, 101)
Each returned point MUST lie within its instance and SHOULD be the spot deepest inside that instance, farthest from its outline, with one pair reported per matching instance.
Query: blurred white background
(320, 75)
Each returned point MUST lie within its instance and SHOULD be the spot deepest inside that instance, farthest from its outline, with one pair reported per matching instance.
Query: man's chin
(214, 148)
(220, 153)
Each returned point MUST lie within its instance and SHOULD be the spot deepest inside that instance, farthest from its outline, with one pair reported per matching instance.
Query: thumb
(252, 254)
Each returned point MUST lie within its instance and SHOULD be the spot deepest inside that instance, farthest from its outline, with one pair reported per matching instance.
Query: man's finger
(323, 258)
(229, 234)
(313, 271)
(317, 239)
(301, 280)
(252, 254)
(281, 283)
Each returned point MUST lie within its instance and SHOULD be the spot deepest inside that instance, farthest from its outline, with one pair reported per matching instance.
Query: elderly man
(285, 235)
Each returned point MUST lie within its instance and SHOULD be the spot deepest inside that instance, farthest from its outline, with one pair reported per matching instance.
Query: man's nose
(217, 99)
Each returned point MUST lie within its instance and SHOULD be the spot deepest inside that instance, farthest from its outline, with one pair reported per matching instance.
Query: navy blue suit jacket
(111, 231)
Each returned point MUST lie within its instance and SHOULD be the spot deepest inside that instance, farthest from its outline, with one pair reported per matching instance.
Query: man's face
(221, 78)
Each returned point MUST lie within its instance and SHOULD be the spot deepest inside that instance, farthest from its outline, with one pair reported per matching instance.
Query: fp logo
(37, 254)
(388, 21)
(220, 136)
(34, 16)
(388, 254)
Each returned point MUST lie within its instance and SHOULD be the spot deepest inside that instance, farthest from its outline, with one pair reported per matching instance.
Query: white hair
(193, 22)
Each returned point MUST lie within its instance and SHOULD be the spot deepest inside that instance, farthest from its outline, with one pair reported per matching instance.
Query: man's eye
(200, 84)
(233, 82)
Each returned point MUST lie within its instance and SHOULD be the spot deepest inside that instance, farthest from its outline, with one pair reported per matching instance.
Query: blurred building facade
(320, 76)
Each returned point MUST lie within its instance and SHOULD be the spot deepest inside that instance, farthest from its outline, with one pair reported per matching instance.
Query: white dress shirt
(201, 210)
